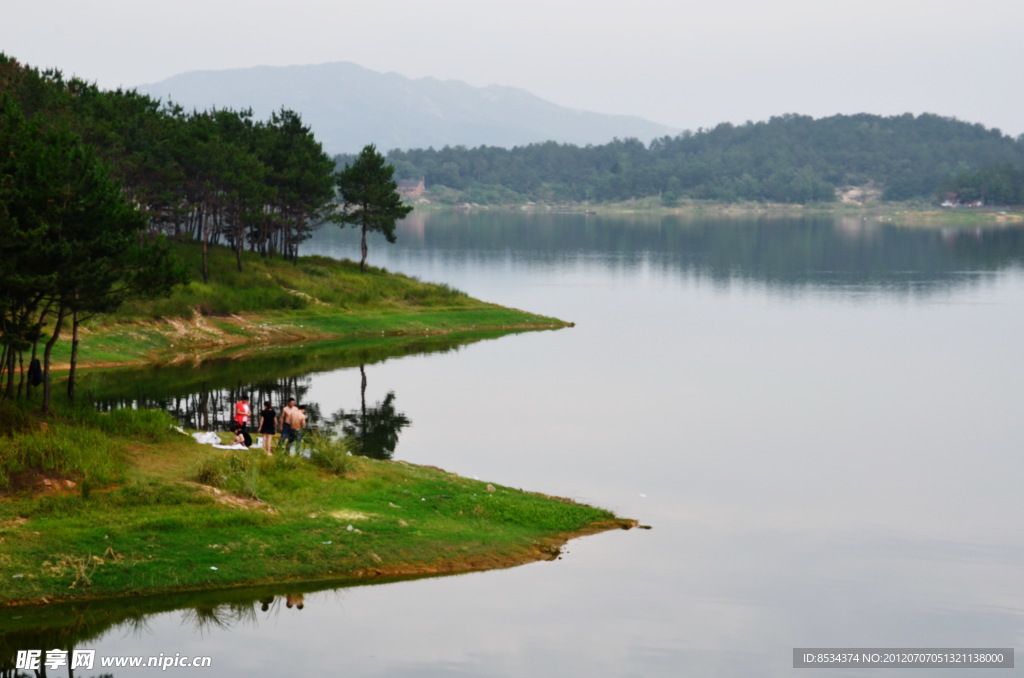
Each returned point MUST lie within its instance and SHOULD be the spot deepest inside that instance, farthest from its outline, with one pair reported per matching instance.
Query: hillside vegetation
(788, 159)
(276, 302)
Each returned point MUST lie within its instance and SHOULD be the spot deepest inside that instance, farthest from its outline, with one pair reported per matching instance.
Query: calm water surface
(818, 418)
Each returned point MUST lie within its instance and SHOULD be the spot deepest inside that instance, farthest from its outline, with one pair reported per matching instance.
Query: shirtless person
(288, 415)
(299, 425)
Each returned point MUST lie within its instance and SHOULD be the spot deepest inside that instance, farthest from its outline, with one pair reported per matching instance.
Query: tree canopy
(218, 176)
(69, 238)
(91, 180)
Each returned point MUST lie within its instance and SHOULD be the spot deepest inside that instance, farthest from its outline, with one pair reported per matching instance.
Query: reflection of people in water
(296, 600)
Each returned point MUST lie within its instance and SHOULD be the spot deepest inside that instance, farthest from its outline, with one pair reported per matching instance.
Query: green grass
(165, 514)
(268, 285)
(76, 444)
(273, 302)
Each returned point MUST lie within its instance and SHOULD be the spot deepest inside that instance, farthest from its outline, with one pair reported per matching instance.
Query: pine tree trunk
(61, 314)
(74, 356)
(7, 372)
(22, 383)
(206, 239)
(362, 262)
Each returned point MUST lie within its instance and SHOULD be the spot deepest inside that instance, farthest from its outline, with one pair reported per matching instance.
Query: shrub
(328, 452)
(238, 473)
(14, 418)
(63, 451)
(152, 425)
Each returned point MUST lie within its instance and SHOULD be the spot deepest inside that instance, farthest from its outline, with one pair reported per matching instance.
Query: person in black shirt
(267, 417)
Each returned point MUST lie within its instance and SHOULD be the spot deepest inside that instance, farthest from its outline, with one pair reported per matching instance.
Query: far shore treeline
(788, 159)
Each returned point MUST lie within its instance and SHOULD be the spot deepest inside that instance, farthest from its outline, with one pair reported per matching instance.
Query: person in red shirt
(242, 414)
(242, 411)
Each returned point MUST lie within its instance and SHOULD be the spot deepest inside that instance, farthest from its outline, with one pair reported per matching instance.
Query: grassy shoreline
(111, 505)
(158, 513)
(273, 303)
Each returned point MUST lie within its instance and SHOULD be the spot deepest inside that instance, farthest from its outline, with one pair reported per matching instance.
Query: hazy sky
(684, 63)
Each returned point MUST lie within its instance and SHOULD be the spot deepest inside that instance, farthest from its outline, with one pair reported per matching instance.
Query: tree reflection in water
(211, 409)
(81, 625)
(202, 396)
(372, 430)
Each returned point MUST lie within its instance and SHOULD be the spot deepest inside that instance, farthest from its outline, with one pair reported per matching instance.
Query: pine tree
(371, 199)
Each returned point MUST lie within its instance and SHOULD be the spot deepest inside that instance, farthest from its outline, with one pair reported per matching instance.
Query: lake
(818, 417)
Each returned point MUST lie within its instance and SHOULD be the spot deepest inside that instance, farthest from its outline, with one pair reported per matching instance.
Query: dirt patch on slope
(228, 499)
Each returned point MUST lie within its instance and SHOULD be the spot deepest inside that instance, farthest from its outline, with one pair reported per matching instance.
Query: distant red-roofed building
(411, 188)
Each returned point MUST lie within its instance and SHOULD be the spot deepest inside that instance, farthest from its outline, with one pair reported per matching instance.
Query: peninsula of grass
(128, 506)
(104, 505)
(273, 302)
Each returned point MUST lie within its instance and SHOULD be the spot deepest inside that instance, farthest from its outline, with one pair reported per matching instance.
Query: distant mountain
(349, 106)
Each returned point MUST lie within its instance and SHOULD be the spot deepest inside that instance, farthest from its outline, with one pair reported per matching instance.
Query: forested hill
(788, 159)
